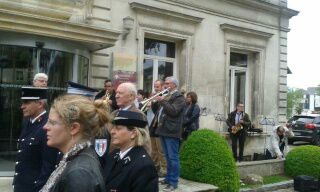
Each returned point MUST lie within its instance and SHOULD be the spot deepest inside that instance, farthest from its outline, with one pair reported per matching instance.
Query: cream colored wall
(207, 56)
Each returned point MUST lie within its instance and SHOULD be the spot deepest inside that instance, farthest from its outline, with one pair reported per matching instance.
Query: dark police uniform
(35, 160)
(135, 172)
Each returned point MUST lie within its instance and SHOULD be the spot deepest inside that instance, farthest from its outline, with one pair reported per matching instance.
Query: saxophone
(107, 97)
(236, 128)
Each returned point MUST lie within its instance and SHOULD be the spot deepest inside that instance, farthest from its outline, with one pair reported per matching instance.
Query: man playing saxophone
(108, 94)
(238, 122)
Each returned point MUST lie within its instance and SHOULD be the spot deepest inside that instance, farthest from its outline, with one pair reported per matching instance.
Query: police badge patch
(100, 145)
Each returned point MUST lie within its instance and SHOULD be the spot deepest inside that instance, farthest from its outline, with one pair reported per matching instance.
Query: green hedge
(206, 157)
(303, 160)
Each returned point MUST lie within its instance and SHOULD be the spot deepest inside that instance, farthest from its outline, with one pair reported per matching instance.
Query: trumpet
(145, 102)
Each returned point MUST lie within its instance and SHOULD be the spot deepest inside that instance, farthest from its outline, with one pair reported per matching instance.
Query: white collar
(125, 108)
(122, 154)
(33, 120)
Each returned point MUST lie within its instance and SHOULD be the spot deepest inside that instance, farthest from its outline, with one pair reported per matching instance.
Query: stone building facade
(225, 50)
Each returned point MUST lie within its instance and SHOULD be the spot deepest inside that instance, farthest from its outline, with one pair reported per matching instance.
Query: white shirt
(273, 145)
(125, 108)
(33, 120)
(122, 154)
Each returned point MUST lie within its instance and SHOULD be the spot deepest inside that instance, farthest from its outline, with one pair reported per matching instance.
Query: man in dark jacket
(35, 160)
(238, 122)
(170, 130)
(108, 94)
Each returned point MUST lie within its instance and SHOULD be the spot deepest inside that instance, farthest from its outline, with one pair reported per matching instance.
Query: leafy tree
(294, 97)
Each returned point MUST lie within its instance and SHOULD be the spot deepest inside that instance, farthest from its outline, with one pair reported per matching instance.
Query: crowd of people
(119, 140)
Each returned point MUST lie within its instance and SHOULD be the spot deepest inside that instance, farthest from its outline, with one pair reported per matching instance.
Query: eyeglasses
(53, 123)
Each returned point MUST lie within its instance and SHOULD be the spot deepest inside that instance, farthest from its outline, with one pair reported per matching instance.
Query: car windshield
(302, 119)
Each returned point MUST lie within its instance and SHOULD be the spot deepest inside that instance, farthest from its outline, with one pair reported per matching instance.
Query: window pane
(238, 59)
(18, 65)
(159, 48)
(147, 76)
(165, 69)
(83, 70)
(16, 69)
(58, 66)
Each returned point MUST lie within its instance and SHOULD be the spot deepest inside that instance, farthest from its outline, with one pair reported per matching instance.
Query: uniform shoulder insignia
(100, 146)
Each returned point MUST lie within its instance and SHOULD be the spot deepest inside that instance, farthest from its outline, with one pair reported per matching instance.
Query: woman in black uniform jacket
(132, 169)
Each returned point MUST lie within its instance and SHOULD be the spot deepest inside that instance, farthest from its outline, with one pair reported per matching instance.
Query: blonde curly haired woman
(73, 122)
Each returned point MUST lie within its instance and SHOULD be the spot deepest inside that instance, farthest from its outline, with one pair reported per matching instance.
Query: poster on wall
(124, 76)
(124, 68)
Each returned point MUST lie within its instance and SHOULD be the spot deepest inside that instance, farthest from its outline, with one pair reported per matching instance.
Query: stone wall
(262, 168)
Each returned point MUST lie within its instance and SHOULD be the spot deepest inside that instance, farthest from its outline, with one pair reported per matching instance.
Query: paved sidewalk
(191, 186)
(184, 186)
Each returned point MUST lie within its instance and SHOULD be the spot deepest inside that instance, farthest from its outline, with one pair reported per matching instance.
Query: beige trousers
(157, 155)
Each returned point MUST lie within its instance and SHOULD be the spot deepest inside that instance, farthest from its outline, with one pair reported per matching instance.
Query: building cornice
(94, 38)
(59, 9)
(266, 6)
(262, 34)
(163, 9)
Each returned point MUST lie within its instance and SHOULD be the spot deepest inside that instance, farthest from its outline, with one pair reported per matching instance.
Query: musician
(110, 93)
(35, 160)
(241, 119)
(278, 145)
(170, 130)
(157, 154)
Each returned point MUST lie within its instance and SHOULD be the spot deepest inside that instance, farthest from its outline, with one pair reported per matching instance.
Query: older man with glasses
(170, 130)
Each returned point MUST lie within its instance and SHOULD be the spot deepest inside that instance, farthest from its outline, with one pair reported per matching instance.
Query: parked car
(305, 128)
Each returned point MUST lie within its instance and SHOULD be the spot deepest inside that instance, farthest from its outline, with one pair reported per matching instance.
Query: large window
(18, 65)
(159, 62)
(238, 78)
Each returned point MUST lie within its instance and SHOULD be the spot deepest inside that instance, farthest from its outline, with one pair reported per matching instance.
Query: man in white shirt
(278, 145)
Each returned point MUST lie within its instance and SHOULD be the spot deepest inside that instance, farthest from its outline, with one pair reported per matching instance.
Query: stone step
(192, 186)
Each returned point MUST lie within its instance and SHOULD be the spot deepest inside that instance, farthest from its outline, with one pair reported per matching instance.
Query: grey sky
(303, 42)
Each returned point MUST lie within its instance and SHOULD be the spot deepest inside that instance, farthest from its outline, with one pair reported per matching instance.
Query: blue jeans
(170, 146)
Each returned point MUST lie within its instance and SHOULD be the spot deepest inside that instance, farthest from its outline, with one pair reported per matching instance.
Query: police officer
(131, 166)
(35, 160)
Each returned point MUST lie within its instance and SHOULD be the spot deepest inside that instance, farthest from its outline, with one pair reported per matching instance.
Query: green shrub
(206, 157)
(303, 160)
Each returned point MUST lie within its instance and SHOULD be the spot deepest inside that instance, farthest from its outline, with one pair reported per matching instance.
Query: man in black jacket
(170, 130)
(238, 119)
(109, 94)
(35, 160)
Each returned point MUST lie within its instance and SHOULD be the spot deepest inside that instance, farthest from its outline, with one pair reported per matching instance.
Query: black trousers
(235, 138)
